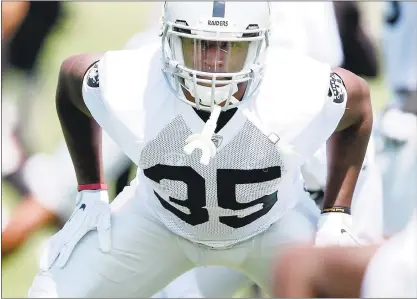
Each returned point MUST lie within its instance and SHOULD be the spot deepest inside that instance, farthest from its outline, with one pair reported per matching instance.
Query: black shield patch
(337, 89)
(92, 76)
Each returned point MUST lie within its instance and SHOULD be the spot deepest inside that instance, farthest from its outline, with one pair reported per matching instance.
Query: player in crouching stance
(212, 188)
(381, 270)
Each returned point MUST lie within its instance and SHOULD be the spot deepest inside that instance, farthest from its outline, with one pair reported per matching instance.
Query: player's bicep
(354, 90)
(71, 76)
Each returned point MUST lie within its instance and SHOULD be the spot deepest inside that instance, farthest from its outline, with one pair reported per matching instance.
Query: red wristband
(92, 187)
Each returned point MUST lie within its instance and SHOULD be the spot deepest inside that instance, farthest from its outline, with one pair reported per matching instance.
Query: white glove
(335, 228)
(92, 212)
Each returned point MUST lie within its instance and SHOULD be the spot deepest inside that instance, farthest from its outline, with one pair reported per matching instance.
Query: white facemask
(221, 94)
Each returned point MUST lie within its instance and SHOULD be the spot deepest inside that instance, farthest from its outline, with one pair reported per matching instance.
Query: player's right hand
(92, 212)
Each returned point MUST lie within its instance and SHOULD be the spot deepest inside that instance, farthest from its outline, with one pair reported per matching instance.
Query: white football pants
(367, 214)
(145, 256)
(208, 281)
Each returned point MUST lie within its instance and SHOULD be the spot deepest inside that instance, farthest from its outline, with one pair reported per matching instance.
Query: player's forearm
(297, 272)
(322, 272)
(12, 15)
(83, 138)
(342, 270)
(297, 282)
(346, 148)
(82, 133)
(349, 146)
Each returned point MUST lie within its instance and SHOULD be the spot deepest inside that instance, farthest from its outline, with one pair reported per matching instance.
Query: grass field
(89, 27)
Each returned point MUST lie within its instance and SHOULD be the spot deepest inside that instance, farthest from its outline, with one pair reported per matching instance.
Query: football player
(296, 25)
(26, 27)
(221, 93)
(46, 182)
(359, 52)
(13, 159)
(12, 15)
(309, 28)
(388, 270)
(398, 123)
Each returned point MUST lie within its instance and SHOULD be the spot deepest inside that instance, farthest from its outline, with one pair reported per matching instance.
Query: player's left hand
(335, 228)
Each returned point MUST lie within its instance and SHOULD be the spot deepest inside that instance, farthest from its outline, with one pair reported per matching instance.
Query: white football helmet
(208, 48)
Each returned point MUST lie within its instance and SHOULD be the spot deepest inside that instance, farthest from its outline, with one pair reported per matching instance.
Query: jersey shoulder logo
(337, 89)
(92, 76)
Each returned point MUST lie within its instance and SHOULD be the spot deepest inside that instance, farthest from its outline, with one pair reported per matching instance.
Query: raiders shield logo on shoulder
(93, 78)
(337, 89)
(217, 140)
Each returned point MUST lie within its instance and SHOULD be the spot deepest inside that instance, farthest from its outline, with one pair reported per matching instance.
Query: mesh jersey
(253, 179)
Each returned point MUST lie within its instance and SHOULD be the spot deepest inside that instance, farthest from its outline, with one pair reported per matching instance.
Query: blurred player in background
(26, 27)
(398, 122)
(22, 51)
(12, 15)
(387, 270)
(359, 53)
(49, 199)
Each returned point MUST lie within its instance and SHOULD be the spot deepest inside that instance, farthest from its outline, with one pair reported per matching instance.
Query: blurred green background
(88, 27)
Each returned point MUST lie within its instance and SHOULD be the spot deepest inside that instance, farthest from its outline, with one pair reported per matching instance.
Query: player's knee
(48, 285)
(43, 286)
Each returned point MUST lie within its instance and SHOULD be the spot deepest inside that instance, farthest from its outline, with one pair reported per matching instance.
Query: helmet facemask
(213, 67)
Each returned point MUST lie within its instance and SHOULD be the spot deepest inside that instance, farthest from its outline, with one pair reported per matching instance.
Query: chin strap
(203, 140)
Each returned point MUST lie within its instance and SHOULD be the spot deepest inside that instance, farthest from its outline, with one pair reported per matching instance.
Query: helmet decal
(219, 8)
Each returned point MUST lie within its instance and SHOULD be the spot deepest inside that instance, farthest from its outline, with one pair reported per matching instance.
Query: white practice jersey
(400, 44)
(254, 177)
(392, 272)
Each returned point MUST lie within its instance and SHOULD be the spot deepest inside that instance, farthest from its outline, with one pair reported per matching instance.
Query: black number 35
(227, 179)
